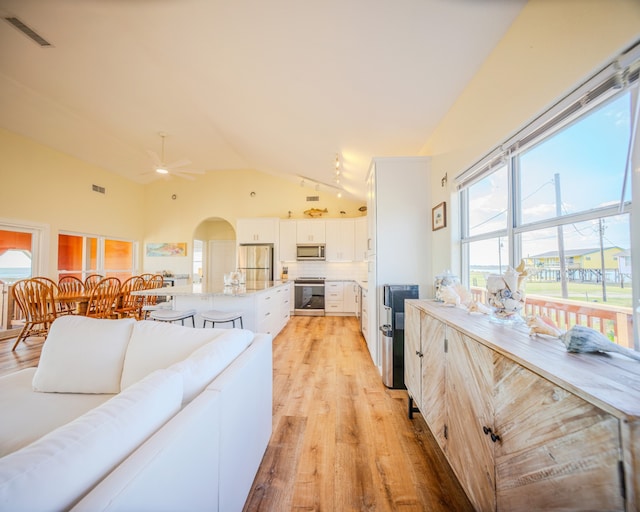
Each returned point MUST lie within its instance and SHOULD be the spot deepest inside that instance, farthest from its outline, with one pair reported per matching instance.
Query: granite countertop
(202, 290)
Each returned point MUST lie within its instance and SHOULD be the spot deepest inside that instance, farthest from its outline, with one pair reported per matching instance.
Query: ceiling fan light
(160, 170)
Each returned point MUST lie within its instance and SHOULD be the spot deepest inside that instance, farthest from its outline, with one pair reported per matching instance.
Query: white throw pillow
(83, 355)
(201, 367)
(55, 471)
(155, 345)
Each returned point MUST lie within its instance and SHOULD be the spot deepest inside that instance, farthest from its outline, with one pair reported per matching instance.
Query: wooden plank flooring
(341, 440)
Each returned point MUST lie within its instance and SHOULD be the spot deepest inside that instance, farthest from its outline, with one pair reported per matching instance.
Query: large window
(559, 198)
(81, 255)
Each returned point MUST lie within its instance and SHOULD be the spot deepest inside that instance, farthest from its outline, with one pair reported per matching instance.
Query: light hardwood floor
(341, 440)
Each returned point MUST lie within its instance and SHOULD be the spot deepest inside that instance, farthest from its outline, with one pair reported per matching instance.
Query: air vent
(98, 188)
(29, 32)
(313, 198)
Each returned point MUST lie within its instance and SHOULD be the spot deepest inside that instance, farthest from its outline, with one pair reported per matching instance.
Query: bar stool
(221, 317)
(171, 315)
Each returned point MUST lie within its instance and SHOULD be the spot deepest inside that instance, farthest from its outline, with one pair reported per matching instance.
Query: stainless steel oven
(309, 296)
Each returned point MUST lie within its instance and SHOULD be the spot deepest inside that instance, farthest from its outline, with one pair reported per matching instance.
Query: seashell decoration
(444, 279)
(584, 339)
(542, 325)
(505, 294)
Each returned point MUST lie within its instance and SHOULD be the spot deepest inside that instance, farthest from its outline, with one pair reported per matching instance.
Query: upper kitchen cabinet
(288, 240)
(257, 230)
(340, 240)
(311, 231)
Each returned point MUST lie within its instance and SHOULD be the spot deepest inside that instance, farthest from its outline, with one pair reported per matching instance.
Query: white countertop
(202, 290)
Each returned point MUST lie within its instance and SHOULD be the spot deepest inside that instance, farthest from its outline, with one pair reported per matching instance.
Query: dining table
(81, 301)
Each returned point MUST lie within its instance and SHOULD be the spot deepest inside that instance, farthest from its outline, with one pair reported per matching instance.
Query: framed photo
(439, 217)
(167, 249)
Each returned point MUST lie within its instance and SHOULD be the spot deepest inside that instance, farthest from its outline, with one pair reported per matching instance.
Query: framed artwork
(167, 249)
(439, 216)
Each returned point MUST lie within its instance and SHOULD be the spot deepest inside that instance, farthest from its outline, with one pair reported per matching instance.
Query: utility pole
(602, 266)
(563, 266)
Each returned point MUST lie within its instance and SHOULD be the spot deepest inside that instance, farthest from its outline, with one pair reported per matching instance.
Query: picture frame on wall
(439, 216)
(166, 249)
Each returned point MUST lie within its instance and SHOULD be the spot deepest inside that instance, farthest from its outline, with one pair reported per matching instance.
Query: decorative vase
(506, 297)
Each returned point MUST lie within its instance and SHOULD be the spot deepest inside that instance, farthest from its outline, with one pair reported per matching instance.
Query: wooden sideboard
(524, 424)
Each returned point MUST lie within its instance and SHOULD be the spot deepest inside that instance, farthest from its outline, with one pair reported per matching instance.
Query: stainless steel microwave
(310, 252)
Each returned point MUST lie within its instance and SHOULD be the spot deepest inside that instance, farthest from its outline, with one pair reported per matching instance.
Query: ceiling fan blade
(183, 175)
(154, 158)
(178, 163)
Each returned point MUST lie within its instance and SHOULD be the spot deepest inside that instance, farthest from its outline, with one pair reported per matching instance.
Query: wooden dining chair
(91, 281)
(150, 302)
(35, 299)
(69, 286)
(103, 298)
(131, 305)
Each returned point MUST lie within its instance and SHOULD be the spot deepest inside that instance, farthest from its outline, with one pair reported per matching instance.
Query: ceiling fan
(174, 168)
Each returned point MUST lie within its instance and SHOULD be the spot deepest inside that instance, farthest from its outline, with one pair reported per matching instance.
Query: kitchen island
(265, 305)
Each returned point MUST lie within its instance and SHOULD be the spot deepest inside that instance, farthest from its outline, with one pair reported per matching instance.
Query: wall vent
(98, 188)
(29, 32)
(313, 198)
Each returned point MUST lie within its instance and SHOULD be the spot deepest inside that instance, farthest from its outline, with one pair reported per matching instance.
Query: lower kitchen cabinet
(524, 424)
(340, 297)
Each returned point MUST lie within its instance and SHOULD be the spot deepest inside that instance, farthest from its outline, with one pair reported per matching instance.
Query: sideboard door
(557, 451)
(469, 398)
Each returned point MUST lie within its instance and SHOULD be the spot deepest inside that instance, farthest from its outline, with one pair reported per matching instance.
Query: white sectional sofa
(122, 415)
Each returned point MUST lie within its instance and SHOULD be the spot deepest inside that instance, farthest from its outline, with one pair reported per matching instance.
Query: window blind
(618, 75)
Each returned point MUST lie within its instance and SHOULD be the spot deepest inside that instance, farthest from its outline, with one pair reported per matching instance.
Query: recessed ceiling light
(160, 170)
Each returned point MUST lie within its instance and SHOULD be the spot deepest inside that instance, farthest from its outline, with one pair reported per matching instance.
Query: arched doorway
(214, 251)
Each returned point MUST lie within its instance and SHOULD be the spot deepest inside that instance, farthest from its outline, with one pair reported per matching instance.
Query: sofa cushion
(155, 345)
(55, 471)
(204, 364)
(83, 355)
(28, 415)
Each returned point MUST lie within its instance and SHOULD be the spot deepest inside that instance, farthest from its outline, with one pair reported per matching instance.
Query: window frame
(606, 86)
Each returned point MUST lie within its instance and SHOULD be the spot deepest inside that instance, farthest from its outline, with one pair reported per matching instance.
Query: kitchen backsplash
(330, 270)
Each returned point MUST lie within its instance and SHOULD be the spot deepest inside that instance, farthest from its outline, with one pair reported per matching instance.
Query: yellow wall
(550, 48)
(41, 185)
(228, 195)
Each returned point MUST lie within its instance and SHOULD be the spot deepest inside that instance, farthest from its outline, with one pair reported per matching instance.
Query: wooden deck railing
(615, 322)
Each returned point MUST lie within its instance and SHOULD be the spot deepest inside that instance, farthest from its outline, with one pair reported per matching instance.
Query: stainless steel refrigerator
(256, 262)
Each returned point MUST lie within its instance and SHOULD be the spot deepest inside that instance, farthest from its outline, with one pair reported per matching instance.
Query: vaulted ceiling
(280, 86)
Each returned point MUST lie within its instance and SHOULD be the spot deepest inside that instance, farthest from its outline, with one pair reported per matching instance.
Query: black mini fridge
(392, 334)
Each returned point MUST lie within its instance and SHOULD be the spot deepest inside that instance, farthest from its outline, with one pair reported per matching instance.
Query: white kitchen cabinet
(333, 297)
(340, 297)
(364, 315)
(268, 312)
(524, 424)
(340, 239)
(310, 231)
(398, 218)
(257, 230)
(350, 297)
(284, 298)
(287, 244)
(360, 239)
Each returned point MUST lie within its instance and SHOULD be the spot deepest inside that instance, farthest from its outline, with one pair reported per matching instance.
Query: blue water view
(9, 275)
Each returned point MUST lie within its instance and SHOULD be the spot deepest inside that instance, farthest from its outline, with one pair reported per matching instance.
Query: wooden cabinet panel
(519, 439)
(432, 376)
(412, 354)
(468, 400)
(551, 439)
